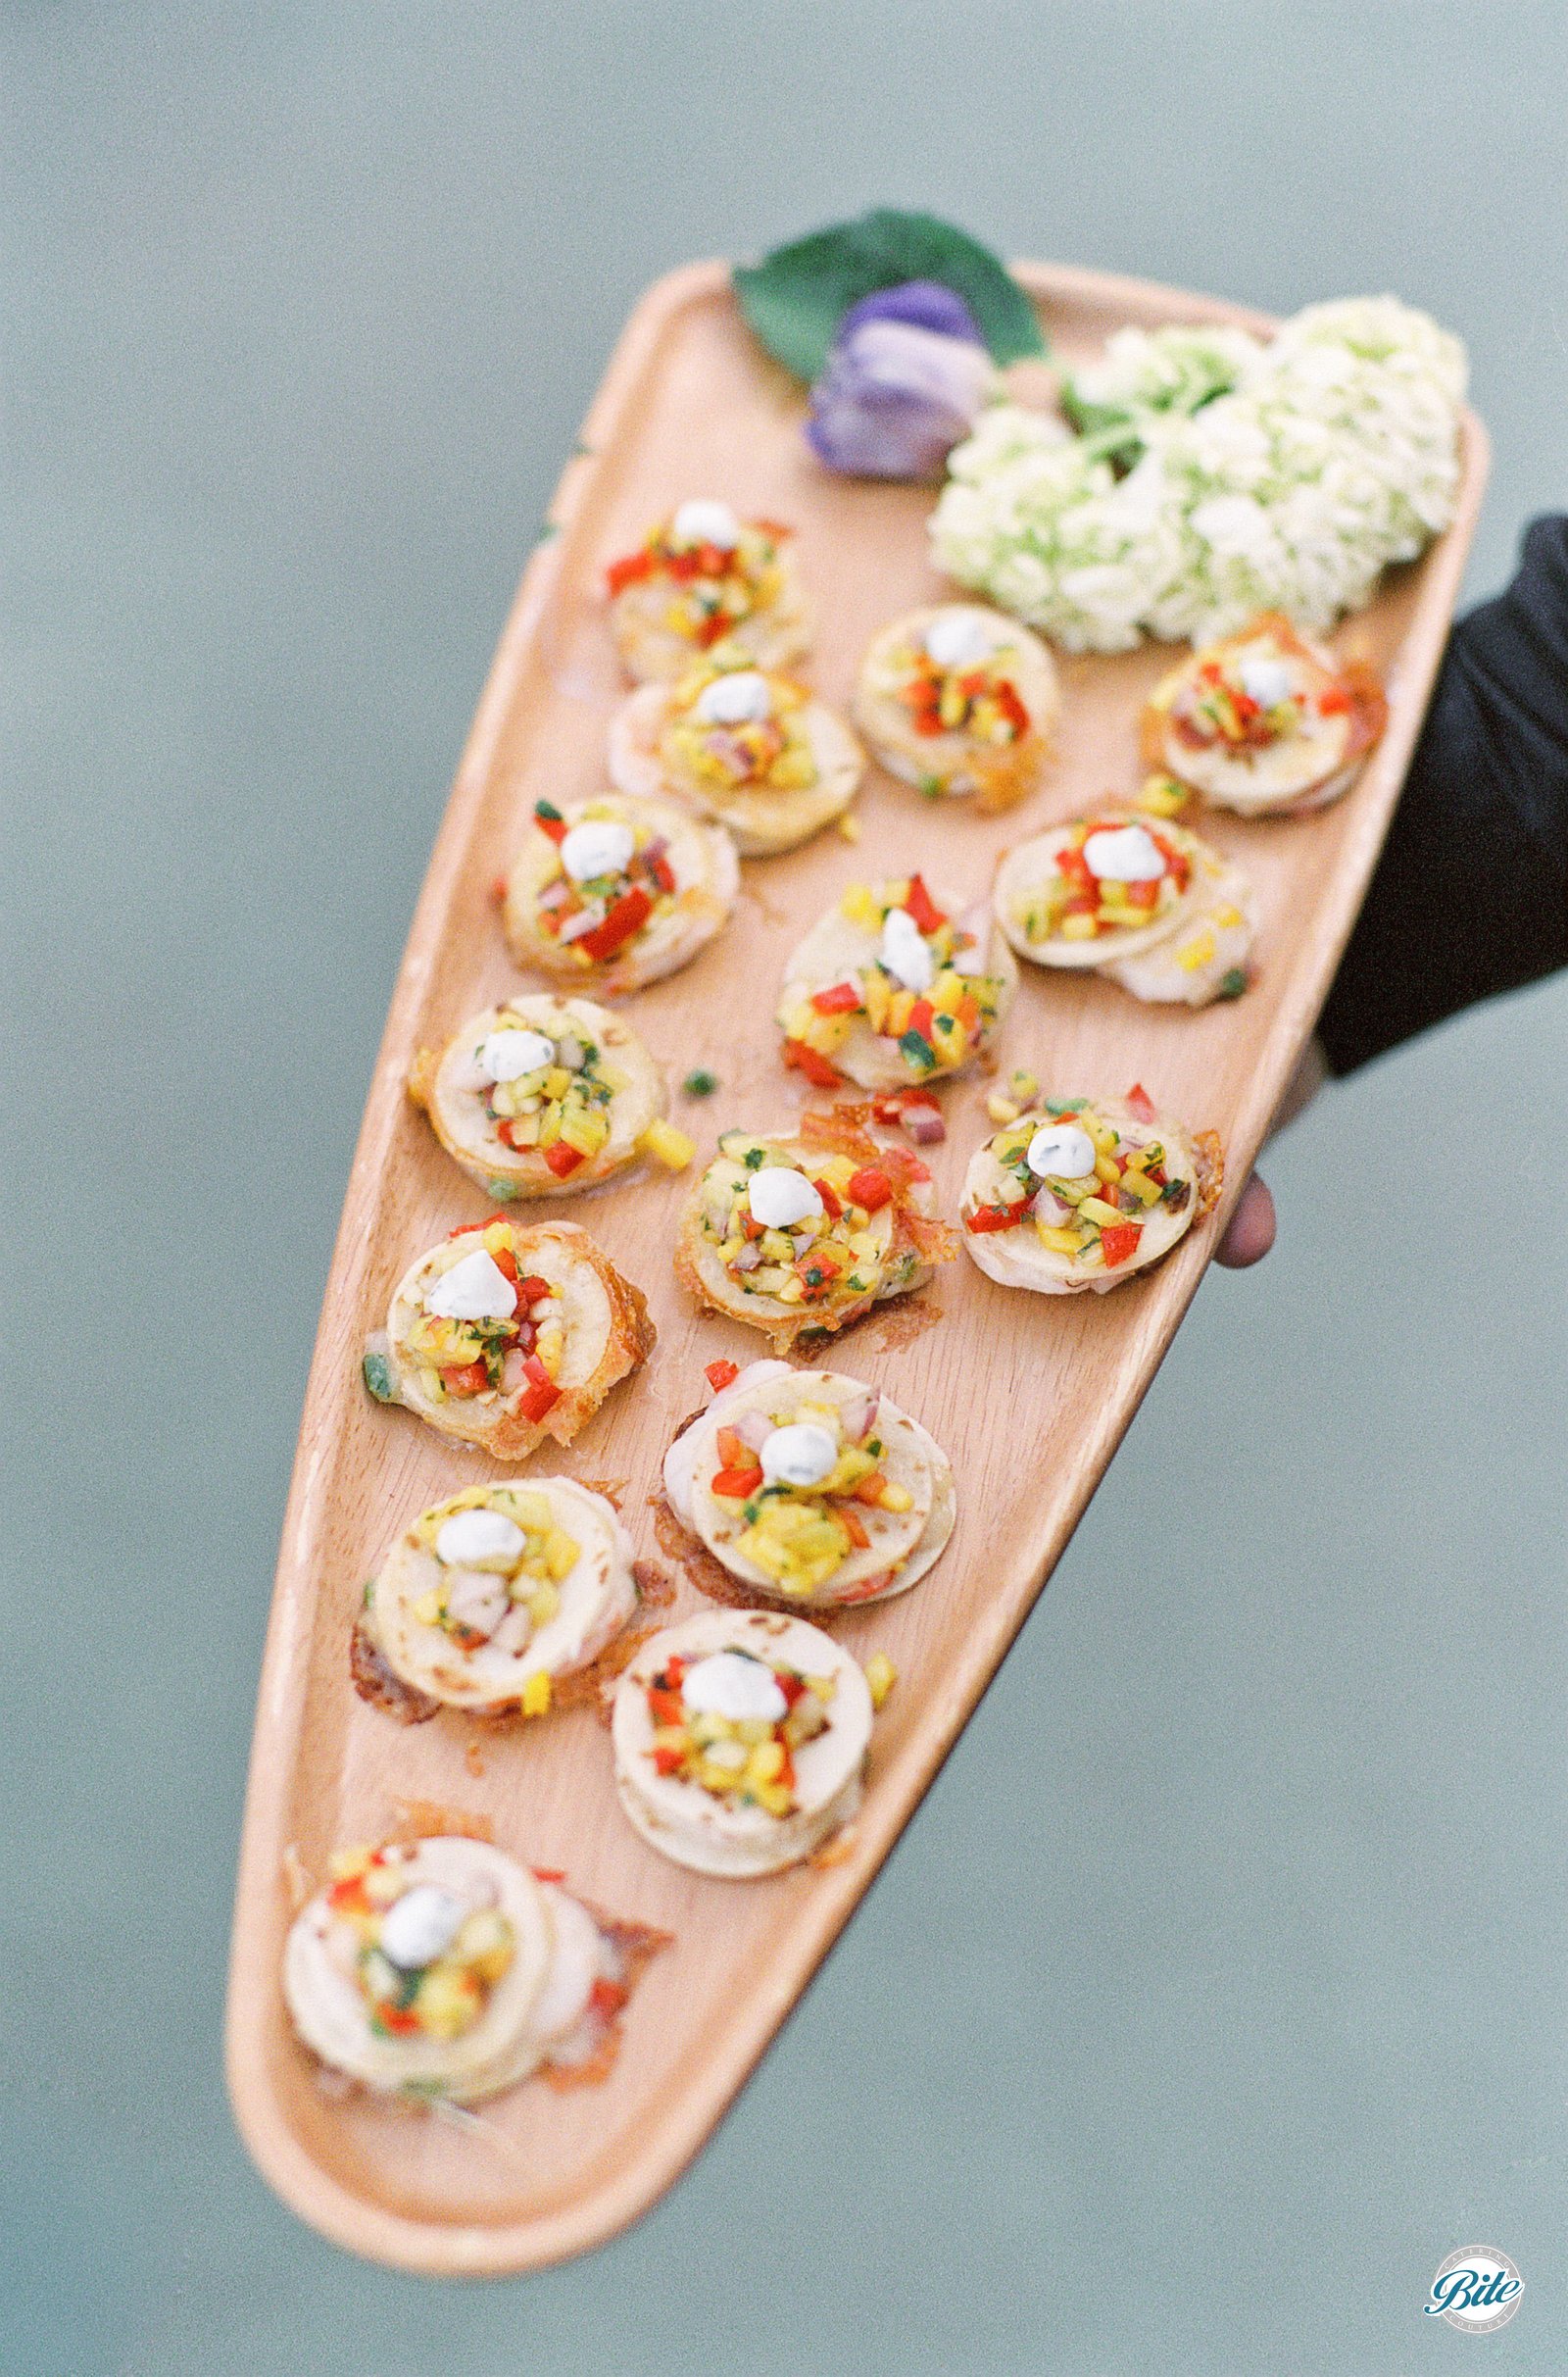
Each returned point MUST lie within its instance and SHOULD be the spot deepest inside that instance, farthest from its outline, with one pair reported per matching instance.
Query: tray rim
(434, 2249)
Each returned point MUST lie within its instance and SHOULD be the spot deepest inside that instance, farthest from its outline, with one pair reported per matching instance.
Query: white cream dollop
(1124, 854)
(509, 1054)
(802, 1454)
(1060, 1150)
(598, 846)
(743, 696)
(420, 1925)
(731, 1685)
(472, 1539)
(1266, 679)
(780, 1197)
(704, 522)
(904, 952)
(475, 1289)
(960, 639)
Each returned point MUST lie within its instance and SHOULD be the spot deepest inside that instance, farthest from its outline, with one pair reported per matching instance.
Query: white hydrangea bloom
(1324, 457)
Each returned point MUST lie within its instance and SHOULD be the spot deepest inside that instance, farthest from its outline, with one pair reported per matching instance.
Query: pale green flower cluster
(1215, 477)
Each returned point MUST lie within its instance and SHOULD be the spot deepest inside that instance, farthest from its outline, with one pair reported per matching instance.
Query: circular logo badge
(1476, 2289)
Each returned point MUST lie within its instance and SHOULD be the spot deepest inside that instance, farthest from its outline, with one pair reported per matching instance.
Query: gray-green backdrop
(1216, 1993)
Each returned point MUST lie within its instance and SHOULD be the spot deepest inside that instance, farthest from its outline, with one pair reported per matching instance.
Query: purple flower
(906, 375)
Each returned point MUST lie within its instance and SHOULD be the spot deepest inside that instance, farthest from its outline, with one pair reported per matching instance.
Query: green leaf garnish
(378, 1378)
(795, 297)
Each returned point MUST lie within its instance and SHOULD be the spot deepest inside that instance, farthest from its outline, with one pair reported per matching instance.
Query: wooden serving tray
(1029, 1394)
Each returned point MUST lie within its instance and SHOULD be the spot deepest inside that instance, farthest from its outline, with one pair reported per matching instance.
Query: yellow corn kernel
(1196, 952)
(899, 1009)
(1078, 929)
(544, 1604)
(1095, 1209)
(881, 1675)
(765, 1762)
(497, 1238)
(557, 1081)
(1163, 796)
(1000, 1108)
(791, 1290)
(1059, 1241)
(948, 992)
(347, 1864)
(860, 906)
(895, 1497)
(773, 1797)
(1103, 1134)
(1023, 1085)
(878, 999)
(1107, 1169)
(536, 1694)
(550, 1345)
(669, 1146)
(849, 828)
(427, 1608)
(584, 1129)
(560, 1553)
(1143, 1189)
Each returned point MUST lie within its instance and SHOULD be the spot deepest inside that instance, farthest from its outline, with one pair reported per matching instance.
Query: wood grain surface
(1029, 1394)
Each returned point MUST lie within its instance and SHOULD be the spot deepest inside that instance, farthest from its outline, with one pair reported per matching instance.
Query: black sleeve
(1470, 895)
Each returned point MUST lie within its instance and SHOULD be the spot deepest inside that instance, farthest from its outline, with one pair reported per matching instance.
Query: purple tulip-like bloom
(906, 375)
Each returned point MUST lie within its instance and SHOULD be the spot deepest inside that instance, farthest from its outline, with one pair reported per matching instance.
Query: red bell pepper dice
(869, 1189)
(993, 1217)
(922, 908)
(722, 1374)
(735, 1484)
(815, 1068)
(563, 1160)
(1118, 1240)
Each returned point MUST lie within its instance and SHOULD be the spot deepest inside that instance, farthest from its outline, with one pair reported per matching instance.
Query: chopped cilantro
(1232, 985)
(700, 1084)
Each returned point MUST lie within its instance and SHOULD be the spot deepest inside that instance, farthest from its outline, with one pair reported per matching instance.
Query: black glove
(1470, 895)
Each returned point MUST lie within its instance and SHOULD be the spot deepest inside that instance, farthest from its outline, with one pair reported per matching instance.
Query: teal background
(1217, 1993)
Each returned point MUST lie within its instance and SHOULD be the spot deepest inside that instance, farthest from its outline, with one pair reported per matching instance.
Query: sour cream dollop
(960, 639)
(508, 1055)
(731, 1685)
(735, 700)
(904, 952)
(1060, 1150)
(1124, 854)
(1266, 679)
(472, 1539)
(420, 1925)
(780, 1197)
(598, 846)
(802, 1454)
(475, 1289)
(704, 522)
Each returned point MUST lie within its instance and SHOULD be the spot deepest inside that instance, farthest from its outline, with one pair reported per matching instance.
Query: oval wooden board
(1029, 1394)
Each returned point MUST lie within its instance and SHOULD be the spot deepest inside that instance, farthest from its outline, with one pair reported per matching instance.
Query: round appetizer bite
(1265, 721)
(739, 1741)
(614, 892)
(495, 1589)
(702, 578)
(807, 1232)
(1138, 898)
(892, 988)
(748, 748)
(443, 1969)
(813, 1487)
(1082, 1194)
(506, 1334)
(959, 700)
(541, 1095)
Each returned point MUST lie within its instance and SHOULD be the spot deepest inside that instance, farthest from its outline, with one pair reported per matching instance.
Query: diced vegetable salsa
(935, 1030)
(515, 1358)
(767, 754)
(980, 700)
(1073, 904)
(1097, 1219)
(561, 1110)
(438, 2000)
(504, 1597)
(712, 589)
(800, 1536)
(596, 918)
(748, 1760)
